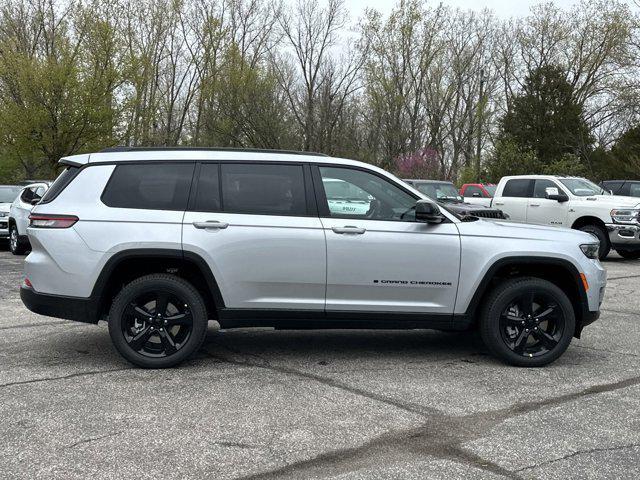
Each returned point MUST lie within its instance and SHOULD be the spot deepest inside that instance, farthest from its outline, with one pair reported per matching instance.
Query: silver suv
(160, 241)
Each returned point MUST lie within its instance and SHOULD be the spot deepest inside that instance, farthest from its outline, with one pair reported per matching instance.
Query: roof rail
(209, 149)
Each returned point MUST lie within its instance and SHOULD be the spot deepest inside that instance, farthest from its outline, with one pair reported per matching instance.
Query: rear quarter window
(149, 186)
(60, 183)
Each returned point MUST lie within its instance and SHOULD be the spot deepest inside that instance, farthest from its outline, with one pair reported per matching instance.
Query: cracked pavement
(265, 404)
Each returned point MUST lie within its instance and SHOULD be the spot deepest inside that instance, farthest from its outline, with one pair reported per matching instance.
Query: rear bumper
(58, 306)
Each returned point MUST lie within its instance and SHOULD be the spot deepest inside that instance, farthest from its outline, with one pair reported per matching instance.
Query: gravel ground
(265, 404)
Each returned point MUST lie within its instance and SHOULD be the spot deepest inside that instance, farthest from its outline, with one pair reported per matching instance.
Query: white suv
(573, 203)
(19, 215)
(160, 241)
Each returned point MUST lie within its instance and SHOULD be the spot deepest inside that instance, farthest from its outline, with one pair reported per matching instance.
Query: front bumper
(624, 236)
(4, 227)
(58, 306)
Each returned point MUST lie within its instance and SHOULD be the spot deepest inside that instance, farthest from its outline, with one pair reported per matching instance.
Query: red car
(478, 190)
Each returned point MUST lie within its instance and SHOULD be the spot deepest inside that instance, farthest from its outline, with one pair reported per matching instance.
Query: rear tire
(601, 235)
(629, 254)
(158, 321)
(527, 322)
(17, 246)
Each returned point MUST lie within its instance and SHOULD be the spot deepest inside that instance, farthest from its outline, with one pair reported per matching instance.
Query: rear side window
(60, 183)
(149, 186)
(208, 191)
(263, 189)
(517, 188)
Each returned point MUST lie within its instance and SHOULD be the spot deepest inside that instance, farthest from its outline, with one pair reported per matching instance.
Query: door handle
(349, 229)
(499, 203)
(211, 224)
(534, 204)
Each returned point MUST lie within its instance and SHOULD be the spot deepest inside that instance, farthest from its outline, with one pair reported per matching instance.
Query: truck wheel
(527, 322)
(629, 254)
(16, 246)
(595, 230)
(158, 321)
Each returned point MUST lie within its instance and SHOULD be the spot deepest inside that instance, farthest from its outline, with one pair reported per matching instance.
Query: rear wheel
(527, 322)
(158, 321)
(17, 246)
(629, 254)
(601, 235)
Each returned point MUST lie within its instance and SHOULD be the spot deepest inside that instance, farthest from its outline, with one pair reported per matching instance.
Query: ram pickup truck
(576, 203)
(478, 193)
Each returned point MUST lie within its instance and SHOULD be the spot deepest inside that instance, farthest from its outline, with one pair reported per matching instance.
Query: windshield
(581, 187)
(8, 194)
(439, 191)
(491, 189)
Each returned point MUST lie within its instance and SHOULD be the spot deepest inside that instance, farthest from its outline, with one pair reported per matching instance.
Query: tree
(545, 119)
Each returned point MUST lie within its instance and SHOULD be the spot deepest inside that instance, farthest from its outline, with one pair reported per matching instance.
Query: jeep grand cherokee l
(157, 242)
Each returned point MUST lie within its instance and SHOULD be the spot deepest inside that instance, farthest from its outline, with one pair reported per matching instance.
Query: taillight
(52, 221)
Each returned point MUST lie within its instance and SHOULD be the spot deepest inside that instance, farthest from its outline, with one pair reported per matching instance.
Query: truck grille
(487, 213)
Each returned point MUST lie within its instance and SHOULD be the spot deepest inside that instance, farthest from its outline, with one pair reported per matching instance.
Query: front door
(543, 211)
(378, 257)
(252, 224)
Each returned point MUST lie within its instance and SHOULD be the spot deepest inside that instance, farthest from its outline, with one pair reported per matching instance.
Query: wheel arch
(558, 271)
(585, 220)
(127, 265)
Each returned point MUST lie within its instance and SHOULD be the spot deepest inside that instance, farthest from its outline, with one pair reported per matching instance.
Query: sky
(502, 8)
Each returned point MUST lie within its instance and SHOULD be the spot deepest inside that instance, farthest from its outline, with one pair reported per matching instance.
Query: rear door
(514, 200)
(381, 259)
(256, 225)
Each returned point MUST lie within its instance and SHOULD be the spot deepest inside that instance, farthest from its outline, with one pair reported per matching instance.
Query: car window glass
(263, 189)
(518, 187)
(471, 189)
(491, 189)
(8, 194)
(383, 200)
(438, 191)
(539, 191)
(149, 186)
(27, 195)
(634, 189)
(208, 192)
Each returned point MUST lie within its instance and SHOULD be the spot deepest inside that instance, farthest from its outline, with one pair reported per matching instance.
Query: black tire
(597, 231)
(16, 245)
(142, 333)
(514, 335)
(629, 254)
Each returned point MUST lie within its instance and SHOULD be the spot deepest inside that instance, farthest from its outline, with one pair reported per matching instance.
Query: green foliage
(508, 158)
(545, 119)
(568, 164)
(622, 161)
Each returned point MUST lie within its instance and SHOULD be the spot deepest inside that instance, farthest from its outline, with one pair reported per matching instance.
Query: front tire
(601, 235)
(527, 322)
(16, 246)
(629, 254)
(158, 321)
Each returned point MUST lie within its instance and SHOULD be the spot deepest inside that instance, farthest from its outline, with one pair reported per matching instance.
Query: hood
(4, 207)
(526, 231)
(611, 200)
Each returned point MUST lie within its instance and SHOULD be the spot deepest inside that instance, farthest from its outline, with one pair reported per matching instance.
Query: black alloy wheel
(158, 321)
(527, 321)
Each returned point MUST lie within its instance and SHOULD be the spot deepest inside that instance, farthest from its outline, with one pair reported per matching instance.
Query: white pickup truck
(576, 203)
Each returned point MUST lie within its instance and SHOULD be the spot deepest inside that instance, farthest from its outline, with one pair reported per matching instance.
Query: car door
(382, 260)
(256, 226)
(543, 211)
(515, 198)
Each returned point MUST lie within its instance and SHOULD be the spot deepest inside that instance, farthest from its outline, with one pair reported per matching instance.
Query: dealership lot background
(311, 404)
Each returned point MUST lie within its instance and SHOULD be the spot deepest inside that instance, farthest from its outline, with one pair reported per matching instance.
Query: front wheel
(527, 322)
(158, 321)
(629, 254)
(601, 235)
(16, 246)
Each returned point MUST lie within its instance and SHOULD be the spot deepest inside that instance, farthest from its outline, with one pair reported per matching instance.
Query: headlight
(4, 214)
(625, 215)
(590, 250)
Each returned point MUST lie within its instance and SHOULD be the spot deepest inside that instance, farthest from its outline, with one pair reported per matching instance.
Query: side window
(359, 194)
(208, 190)
(149, 186)
(263, 189)
(473, 191)
(634, 189)
(27, 195)
(518, 187)
(540, 189)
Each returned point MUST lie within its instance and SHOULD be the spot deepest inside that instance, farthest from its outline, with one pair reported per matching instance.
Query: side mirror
(34, 201)
(428, 212)
(552, 193)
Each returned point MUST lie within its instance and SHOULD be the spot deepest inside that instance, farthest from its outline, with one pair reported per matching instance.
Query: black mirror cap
(428, 212)
(561, 197)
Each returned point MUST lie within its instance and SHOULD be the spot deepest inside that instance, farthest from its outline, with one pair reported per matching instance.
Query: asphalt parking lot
(262, 404)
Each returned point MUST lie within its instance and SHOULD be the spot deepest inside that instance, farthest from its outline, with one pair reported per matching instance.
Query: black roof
(211, 149)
